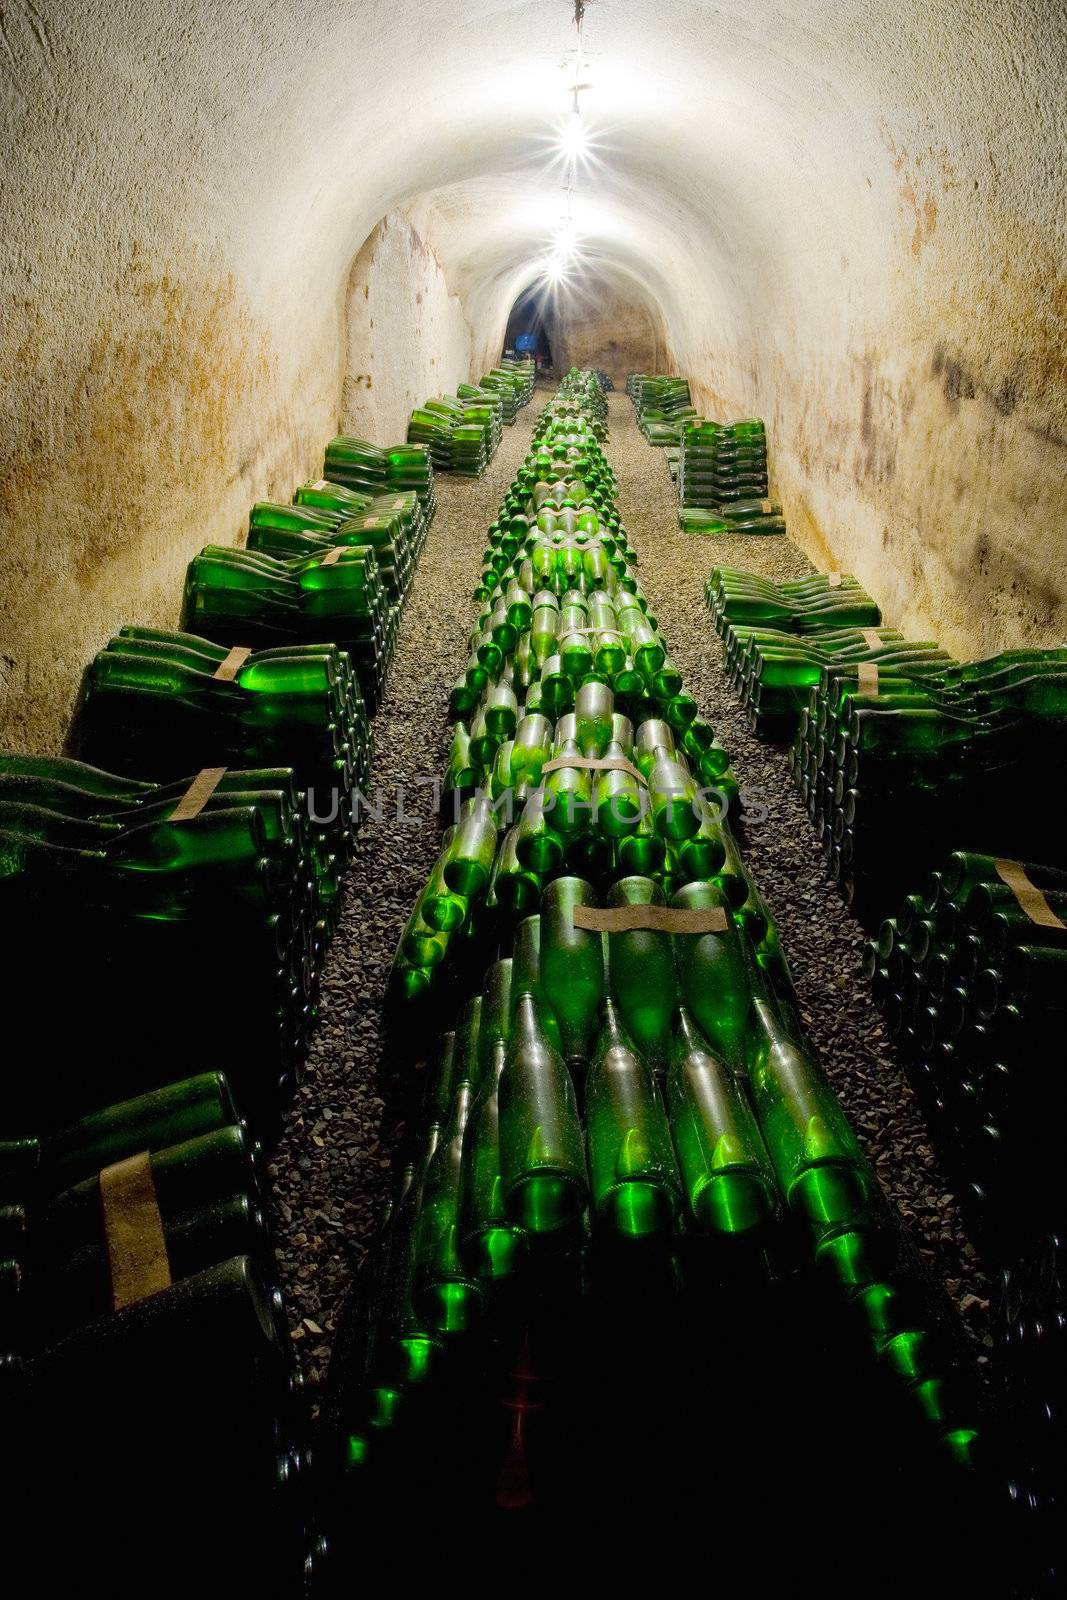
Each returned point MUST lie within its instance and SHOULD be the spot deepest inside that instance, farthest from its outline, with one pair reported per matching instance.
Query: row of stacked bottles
(662, 404)
(634, 1222)
(174, 894)
(922, 772)
(719, 468)
(462, 431)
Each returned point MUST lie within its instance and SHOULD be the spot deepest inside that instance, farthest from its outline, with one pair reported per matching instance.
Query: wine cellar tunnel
(408, 411)
(844, 218)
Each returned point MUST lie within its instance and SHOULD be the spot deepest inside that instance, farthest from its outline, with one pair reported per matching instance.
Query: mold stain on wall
(149, 442)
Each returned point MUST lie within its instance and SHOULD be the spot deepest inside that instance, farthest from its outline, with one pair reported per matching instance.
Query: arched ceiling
(728, 136)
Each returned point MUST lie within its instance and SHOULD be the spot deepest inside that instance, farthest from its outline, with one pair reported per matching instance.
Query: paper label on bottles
(834, 580)
(133, 1231)
(323, 484)
(660, 919)
(399, 503)
(872, 638)
(1029, 896)
(227, 670)
(332, 557)
(198, 794)
(867, 673)
(594, 764)
(767, 507)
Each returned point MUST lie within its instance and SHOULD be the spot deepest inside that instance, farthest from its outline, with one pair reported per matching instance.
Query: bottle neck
(687, 1033)
(611, 1030)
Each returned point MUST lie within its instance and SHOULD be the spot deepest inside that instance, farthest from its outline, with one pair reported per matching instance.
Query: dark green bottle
(633, 1176)
(715, 975)
(572, 967)
(641, 973)
(820, 1167)
(728, 1177)
(542, 1159)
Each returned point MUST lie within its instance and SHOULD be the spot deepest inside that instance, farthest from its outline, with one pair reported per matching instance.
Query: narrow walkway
(822, 940)
(334, 1167)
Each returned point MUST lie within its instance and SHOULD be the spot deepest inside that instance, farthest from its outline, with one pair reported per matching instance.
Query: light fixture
(574, 142)
(574, 148)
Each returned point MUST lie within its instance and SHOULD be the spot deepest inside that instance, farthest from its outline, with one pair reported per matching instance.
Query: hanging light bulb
(574, 142)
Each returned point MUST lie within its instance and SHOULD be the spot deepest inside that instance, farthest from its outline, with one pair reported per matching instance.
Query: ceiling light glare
(574, 142)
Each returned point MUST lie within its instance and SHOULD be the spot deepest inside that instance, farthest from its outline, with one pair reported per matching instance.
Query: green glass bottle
(728, 1177)
(632, 1171)
(538, 845)
(673, 797)
(641, 973)
(472, 850)
(715, 975)
(820, 1167)
(441, 907)
(594, 707)
(445, 1292)
(572, 967)
(531, 748)
(517, 891)
(542, 1159)
(643, 852)
(170, 1115)
(490, 1245)
(421, 944)
(569, 788)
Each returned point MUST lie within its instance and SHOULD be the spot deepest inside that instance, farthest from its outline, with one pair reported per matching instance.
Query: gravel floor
(333, 1168)
(822, 940)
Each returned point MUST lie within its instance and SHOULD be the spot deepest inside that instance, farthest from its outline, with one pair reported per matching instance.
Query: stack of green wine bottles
(513, 381)
(159, 705)
(516, 375)
(722, 479)
(815, 604)
(662, 405)
(462, 435)
(309, 575)
(774, 671)
(963, 753)
(195, 913)
(579, 396)
(332, 596)
(377, 473)
(576, 746)
(971, 974)
(627, 1107)
(143, 1305)
(392, 525)
(506, 392)
(484, 405)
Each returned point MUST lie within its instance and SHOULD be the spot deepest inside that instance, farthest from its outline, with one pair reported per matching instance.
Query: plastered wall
(406, 336)
(596, 324)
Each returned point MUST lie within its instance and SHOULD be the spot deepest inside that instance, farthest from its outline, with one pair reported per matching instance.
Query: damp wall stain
(918, 433)
(122, 456)
(599, 326)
